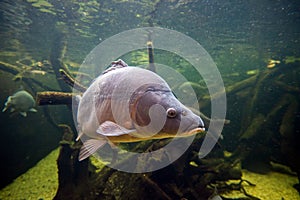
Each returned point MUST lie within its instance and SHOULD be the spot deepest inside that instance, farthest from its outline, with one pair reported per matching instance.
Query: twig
(251, 184)
(287, 87)
(156, 187)
(71, 81)
(9, 68)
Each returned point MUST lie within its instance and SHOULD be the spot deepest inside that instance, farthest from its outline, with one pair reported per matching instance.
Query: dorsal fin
(116, 65)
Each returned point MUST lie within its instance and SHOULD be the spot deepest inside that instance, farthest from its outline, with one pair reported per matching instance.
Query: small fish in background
(252, 72)
(21, 102)
(38, 72)
(272, 63)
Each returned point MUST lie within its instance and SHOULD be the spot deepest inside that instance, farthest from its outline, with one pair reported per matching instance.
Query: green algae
(39, 182)
(41, 3)
(272, 185)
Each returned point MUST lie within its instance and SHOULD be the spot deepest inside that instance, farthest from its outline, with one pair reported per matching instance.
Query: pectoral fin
(109, 128)
(4, 109)
(89, 147)
(24, 114)
(32, 110)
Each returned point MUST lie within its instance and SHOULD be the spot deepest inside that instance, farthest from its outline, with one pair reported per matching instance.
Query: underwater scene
(160, 99)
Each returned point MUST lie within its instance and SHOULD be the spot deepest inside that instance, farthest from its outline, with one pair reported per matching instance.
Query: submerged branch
(14, 70)
(9, 68)
(57, 54)
(287, 87)
(71, 81)
(54, 98)
(151, 55)
(241, 85)
(156, 187)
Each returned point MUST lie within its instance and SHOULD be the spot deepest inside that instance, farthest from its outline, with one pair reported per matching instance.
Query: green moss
(39, 182)
(47, 11)
(98, 164)
(32, 1)
(273, 185)
(42, 3)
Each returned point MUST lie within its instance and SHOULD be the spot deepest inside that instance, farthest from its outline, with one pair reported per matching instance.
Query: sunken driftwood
(269, 119)
(73, 176)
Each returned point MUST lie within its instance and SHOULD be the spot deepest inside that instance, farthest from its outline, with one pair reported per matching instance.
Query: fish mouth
(189, 132)
(192, 132)
(196, 129)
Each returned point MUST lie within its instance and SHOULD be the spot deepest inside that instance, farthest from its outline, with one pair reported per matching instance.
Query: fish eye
(171, 112)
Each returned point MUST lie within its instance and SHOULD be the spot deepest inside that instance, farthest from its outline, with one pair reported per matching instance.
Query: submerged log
(264, 115)
(288, 131)
(259, 130)
(73, 176)
(254, 127)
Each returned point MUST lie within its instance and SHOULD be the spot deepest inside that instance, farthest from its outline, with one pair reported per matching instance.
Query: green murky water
(254, 44)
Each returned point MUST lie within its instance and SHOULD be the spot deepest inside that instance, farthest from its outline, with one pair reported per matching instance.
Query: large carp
(130, 104)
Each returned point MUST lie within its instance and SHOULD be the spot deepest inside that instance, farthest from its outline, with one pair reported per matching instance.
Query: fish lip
(198, 129)
(191, 132)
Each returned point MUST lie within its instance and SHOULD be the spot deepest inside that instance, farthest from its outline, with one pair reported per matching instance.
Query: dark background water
(239, 35)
